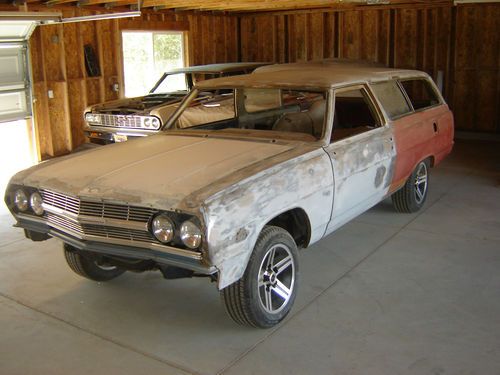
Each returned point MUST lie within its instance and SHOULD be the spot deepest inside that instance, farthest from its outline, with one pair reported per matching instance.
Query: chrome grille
(61, 201)
(81, 211)
(117, 233)
(121, 121)
(62, 223)
(116, 211)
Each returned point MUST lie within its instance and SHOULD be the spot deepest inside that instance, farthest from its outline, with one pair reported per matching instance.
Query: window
(147, 55)
(207, 110)
(354, 114)
(392, 99)
(420, 93)
(270, 113)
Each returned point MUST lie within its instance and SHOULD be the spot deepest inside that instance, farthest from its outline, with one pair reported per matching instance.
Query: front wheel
(90, 268)
(411, 197)
(265, 294)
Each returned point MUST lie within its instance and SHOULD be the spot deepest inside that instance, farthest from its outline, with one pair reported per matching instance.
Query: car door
(362, 154)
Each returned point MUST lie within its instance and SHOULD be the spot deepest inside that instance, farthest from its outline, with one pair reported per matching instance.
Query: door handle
(435, 127)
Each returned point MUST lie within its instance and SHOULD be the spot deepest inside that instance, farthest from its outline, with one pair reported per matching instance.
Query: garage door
(15, 102)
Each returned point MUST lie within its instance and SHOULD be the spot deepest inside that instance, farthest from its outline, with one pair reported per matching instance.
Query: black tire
(89, 268)
(258, 299)
(411, 197)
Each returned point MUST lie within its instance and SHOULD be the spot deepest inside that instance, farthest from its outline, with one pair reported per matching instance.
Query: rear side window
(392, 99)
(420, 93)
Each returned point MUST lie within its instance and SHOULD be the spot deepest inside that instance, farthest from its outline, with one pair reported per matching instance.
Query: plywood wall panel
(316, 34)
(59, 117)
(77, 102)
(52, 44)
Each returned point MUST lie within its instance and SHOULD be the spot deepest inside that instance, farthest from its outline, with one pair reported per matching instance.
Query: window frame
(430, 84)
(185, 54)
(403, 93)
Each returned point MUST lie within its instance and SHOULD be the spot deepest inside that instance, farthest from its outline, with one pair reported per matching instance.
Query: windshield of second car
(270, 112)
(172, 83)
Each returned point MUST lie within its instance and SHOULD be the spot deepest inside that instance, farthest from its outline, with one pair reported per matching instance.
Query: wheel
(265, 294)
(89, 268)
(411, 197)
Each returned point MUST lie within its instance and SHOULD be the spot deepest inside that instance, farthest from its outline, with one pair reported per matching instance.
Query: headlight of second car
(151, 122)
(92, 118)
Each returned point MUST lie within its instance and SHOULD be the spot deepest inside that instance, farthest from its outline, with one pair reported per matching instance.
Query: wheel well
(296, 223)
(431, 160)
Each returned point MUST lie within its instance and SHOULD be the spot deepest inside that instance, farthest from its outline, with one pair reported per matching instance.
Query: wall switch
(50, 93)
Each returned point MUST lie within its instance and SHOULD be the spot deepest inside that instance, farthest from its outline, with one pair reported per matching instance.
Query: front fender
(235, 217)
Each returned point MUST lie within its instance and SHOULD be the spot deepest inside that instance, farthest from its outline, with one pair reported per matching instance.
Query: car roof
(217, 68)
(317, 74)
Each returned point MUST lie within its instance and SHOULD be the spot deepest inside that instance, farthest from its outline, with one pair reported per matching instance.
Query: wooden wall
(462, 42)
(62, 88)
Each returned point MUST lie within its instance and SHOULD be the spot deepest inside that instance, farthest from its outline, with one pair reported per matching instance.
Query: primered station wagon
(263, 165)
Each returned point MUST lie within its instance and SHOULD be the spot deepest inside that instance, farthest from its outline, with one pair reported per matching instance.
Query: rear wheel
(90, 268)
(265, 294)
(411, 197)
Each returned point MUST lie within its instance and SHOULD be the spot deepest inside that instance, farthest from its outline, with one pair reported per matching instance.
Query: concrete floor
(387, 294)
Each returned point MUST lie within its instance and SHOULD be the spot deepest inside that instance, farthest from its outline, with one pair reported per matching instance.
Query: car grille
(63, 202)
(97, 209)
(121, 121)
(117, 233)
(82, 208)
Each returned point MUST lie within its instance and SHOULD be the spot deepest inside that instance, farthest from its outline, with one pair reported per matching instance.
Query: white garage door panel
(11, 65)
(13, 105)
(16, 30)
(14, 82)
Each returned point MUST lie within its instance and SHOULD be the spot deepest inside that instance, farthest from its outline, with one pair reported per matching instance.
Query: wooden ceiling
(222, 5)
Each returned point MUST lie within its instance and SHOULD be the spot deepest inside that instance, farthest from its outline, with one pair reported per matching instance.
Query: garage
(390, 272)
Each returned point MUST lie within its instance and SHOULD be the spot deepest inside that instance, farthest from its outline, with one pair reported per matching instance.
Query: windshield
(171, 83)
(276, 113)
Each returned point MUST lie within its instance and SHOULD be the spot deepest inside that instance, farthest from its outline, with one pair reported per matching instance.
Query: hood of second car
(155, 171)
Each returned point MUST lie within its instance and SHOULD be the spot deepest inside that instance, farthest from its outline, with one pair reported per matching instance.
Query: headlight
(36, 203)
(93, 118)
(151, 122)
(155, 123)
(190, 234)
(21, 200)
(163, 228)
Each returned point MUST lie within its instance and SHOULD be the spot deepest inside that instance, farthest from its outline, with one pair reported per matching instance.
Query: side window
(354, 114)
(420, 92)
(392, 99)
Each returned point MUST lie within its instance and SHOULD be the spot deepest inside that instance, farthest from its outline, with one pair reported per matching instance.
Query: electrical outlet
(50, 94)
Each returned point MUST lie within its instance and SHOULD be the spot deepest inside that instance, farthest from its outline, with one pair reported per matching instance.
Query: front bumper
(161, 254)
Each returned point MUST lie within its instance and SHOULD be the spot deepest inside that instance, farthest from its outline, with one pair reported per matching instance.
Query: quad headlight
(36, 203)
(163, 228)
(191, 234)
(21, 200)
(151, 122)
(93, 118)
(177, 229)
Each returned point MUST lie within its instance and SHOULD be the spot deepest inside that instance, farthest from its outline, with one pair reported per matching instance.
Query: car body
(118, 120)
(268, 163)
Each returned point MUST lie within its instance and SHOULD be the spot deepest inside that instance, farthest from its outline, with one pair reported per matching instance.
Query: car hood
(158, 171)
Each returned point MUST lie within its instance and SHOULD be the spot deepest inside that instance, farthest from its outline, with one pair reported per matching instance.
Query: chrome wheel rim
(421, 183)
(276, 278)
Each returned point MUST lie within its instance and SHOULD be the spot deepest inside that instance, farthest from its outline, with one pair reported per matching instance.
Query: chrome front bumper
(162, 254)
